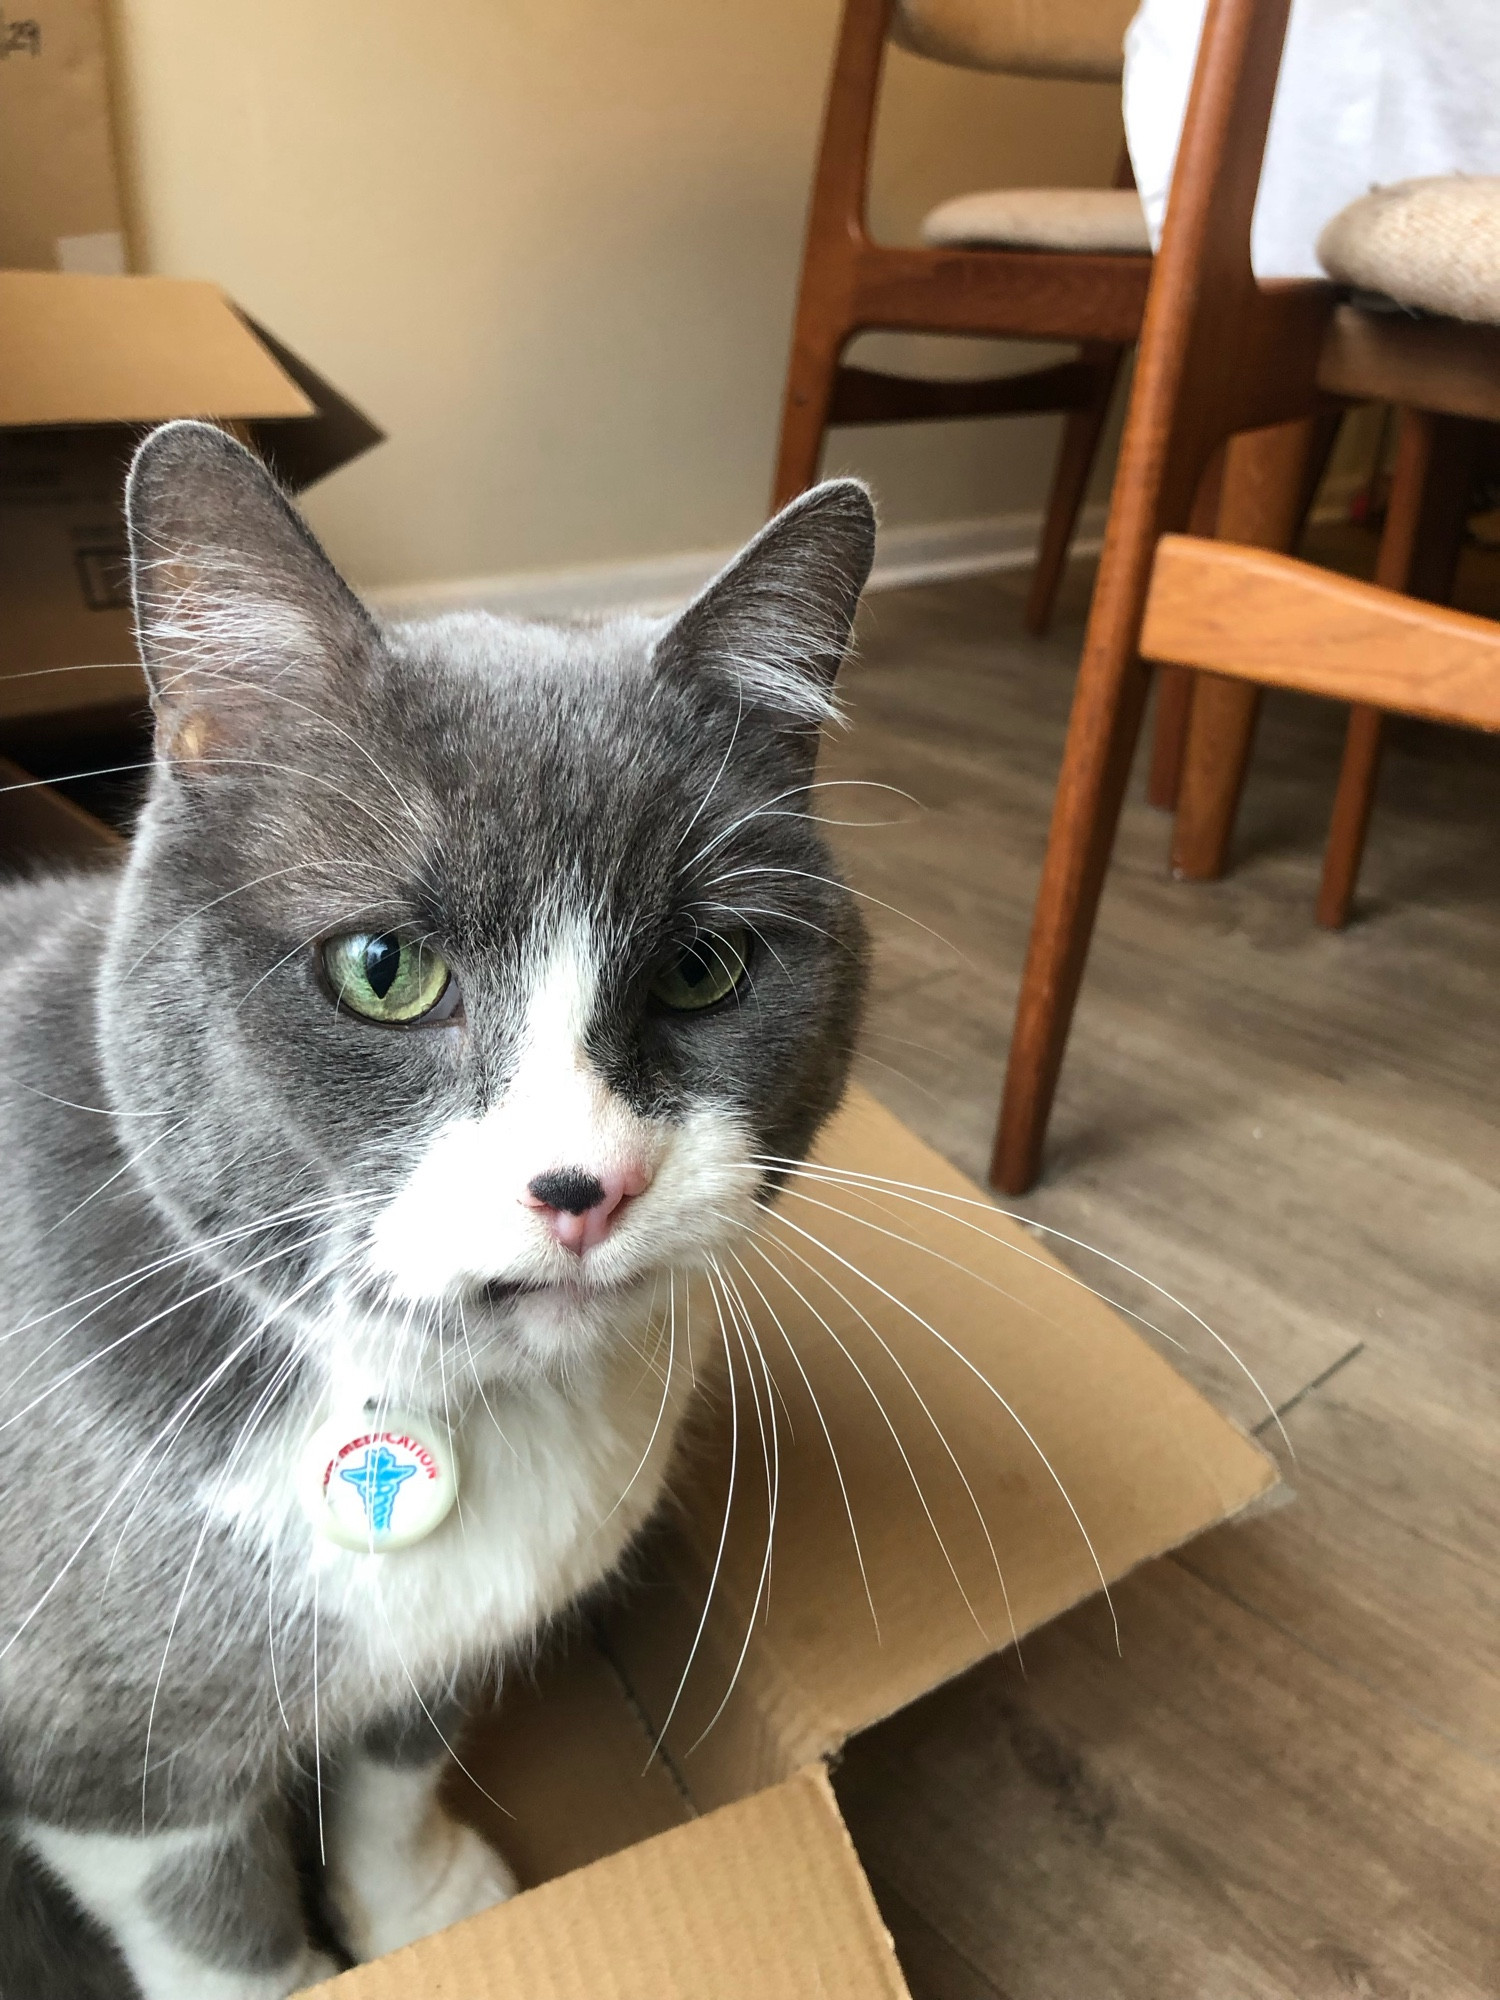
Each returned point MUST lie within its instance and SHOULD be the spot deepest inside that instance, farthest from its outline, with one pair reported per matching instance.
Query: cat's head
(492, 963)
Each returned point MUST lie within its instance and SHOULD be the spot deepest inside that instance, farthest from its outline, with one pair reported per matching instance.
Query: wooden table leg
(1268, 475)
(1169, 737)
(1174, 685)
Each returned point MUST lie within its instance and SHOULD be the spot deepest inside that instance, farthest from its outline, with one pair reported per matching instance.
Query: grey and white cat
(455, 986)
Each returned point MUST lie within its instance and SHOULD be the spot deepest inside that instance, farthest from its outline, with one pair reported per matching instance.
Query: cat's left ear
(772, 629)
(242, 620)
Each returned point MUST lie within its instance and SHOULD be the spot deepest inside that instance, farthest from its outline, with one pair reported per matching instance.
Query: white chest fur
(554, 1478)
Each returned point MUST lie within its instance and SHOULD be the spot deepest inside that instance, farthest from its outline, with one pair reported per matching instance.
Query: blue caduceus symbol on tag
(379, 1477)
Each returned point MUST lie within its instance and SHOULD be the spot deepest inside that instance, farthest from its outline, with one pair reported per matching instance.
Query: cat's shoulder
(46, 900)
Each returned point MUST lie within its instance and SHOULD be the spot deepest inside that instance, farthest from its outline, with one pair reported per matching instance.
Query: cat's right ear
(241, 619)
(772, 629)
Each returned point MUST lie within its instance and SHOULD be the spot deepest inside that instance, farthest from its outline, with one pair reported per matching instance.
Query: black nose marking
(567, 1188)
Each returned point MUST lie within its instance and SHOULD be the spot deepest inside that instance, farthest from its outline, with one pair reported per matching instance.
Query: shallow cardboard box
(86, 363)
(718, 1867)
(59, 195)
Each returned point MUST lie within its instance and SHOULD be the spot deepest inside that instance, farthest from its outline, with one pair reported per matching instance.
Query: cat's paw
(447, 1874)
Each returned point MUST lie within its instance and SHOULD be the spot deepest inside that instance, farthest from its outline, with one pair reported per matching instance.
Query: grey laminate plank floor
(1290, 1783)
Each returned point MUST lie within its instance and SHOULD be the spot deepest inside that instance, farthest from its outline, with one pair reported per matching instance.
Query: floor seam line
(1285, 1409)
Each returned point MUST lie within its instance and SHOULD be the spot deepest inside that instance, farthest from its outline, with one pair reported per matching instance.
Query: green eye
(708, 969)
(385, 977)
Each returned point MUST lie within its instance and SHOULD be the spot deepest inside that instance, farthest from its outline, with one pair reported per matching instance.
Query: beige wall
(552, 247)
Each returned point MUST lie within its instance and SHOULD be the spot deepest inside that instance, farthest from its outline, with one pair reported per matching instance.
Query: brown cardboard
(716, 1864)
(86, 350)
(762, 1900)
(59, 199)
(85, 363)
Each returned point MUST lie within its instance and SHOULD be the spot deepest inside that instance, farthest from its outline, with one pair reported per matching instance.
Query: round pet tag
(376, 1484)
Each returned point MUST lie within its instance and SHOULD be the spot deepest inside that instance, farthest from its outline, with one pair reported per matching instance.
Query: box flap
(1135, 1462)
(764, 1900)
(78, 349)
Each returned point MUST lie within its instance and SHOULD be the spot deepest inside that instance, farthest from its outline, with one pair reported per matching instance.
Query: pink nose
(579, 1206)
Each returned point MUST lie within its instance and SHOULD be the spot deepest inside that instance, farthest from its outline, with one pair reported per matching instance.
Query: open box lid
(78, 349)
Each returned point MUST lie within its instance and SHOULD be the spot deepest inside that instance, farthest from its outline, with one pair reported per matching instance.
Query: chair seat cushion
(1431, 244)
(1108, 219)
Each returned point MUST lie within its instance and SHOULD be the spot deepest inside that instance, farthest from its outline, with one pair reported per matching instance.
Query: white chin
(563, 1322)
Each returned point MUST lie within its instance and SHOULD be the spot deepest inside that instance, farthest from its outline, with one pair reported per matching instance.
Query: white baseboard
(925, 553)
(921, 554)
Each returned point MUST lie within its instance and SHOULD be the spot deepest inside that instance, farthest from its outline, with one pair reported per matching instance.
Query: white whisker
(734, 1452)
(885, 1415)
(909, 1189)
(990, 1389)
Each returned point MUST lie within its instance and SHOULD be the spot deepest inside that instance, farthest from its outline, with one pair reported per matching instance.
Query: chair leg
(1102, 735)
(1070, 480)
(835, 232)
(1351, 817)
(1269, 477)
(1419, 549)
(804, 415)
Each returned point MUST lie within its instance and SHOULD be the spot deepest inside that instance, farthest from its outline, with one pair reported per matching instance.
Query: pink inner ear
(187, 739)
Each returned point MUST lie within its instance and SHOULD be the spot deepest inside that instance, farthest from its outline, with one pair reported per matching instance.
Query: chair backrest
(1078, 39)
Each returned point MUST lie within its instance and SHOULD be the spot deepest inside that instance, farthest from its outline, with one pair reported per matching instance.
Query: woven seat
(1081, 39)
(1097, 219)
(1433, 245)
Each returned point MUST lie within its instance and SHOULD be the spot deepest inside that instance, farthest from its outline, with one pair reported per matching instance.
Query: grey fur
(178, 1094)
(411, 1737)
(234, 1901)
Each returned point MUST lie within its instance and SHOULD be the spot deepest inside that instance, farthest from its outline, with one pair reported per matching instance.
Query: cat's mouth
(501, 1292)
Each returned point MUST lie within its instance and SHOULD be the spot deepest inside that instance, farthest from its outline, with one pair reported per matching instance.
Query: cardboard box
(86, 364)
(59, 195)
(721, 1867)
(717, 1867)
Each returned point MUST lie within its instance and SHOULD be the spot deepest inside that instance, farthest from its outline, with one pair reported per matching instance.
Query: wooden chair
(1443, 374)
(1219, 355)
(1028, 264)
(1268, 620)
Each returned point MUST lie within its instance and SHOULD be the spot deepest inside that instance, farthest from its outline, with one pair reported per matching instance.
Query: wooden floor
(1290, 1783)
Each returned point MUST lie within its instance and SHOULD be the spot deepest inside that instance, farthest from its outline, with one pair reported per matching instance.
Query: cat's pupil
(382, 963)
(694, 967)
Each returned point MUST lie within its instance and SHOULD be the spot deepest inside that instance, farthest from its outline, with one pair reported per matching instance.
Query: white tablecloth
(1371, 91)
